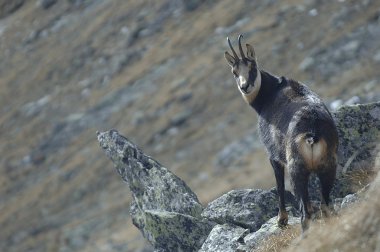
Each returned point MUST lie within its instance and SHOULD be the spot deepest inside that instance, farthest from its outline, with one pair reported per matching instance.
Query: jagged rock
(154, 186)
(224, 238)
(268, 229)
(164, 208)
(247, 208)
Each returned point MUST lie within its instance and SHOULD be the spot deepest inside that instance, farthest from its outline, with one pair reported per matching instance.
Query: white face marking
(241, 72)
(243, 77)
(253, 90)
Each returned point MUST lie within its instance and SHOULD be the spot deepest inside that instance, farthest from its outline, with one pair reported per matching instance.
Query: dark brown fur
(291, 109)
(299, 134)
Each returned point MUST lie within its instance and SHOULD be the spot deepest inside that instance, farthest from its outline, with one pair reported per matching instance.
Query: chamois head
(245, 70)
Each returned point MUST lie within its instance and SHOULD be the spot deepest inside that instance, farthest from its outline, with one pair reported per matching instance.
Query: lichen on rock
(164, 208)
(153, 186)
(171, 231)
(359, 134)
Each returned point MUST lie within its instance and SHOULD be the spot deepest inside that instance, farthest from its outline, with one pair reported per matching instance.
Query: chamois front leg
(278, 169)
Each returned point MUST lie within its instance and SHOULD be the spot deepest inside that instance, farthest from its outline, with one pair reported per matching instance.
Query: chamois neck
(270, 85)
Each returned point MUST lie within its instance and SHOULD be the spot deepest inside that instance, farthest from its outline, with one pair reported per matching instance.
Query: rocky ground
(171, 218)
(155, 71)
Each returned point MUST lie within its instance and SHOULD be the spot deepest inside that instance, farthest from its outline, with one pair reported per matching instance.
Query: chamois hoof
(327, 211)
(282, 222)
(282, 219)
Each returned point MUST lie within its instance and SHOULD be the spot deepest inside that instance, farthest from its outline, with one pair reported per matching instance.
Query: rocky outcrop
(164, 208)
(171, 218)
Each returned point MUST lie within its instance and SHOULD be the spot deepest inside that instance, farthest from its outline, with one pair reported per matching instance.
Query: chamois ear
(251, 55)
(230, 59)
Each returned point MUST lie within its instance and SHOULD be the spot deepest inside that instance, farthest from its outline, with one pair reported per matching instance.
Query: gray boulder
(268, 229)
(359, 135)
(164, 208)
(226, 238)
(247, 208)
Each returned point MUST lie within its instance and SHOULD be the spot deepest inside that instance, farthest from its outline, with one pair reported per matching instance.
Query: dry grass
(357, 228)
(359, 178)
(279, 242)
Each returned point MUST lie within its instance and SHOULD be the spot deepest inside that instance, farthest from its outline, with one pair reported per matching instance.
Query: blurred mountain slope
(155, 71)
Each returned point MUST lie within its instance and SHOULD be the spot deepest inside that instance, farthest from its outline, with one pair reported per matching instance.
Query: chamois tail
(312, 149)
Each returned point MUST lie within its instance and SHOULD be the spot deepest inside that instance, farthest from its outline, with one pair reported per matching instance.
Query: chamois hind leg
(299, 178)
(326, 178)
(278, 169)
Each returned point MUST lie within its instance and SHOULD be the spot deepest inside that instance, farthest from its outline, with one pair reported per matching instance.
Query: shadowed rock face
(171, 218)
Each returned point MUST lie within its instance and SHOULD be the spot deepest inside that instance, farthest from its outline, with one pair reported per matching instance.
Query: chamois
(294, 125)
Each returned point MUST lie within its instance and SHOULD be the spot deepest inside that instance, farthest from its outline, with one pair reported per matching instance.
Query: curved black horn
(233, 51)
(240, 47)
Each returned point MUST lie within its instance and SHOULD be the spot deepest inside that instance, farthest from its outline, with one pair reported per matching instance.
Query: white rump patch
(311, 153)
